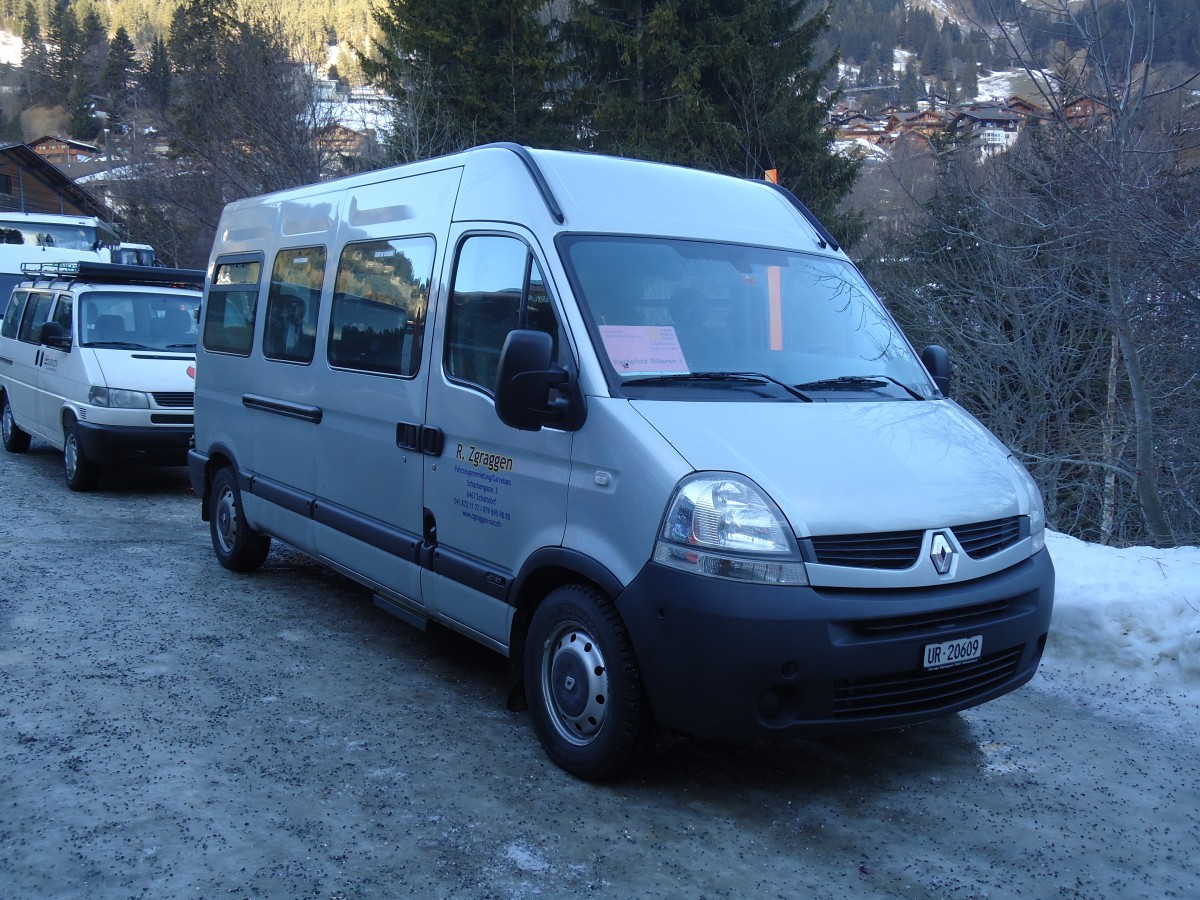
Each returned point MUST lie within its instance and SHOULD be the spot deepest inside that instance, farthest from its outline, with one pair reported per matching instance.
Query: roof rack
(113, 273)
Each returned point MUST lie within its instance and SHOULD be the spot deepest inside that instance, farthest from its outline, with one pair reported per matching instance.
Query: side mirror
(54, 336)
(524, 378)
(937, 362)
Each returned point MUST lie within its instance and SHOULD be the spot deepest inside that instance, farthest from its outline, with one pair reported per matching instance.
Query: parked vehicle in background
(644, 430)
(46, 238)
(99, 360)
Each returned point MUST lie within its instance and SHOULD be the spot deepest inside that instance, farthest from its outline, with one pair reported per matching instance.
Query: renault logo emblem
(941, 553)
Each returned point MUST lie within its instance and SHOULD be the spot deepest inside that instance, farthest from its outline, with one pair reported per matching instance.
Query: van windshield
(708, 320)
(145, 320)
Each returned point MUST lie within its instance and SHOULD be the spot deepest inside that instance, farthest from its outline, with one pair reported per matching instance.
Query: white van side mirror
(524, 378)
(937, 362)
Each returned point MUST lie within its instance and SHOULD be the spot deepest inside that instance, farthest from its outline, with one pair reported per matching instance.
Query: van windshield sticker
(644, 349)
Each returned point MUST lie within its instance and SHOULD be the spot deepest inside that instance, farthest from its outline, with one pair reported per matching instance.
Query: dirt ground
(170, 729)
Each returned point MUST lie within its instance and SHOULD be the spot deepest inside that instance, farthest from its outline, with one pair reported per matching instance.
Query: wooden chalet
(64, 151)
(31, 183)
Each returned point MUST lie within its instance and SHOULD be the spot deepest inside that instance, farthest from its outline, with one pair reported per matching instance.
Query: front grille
(900, 549)
(919, 691)
(933, 620)
(170, 419)
(175, 399)
(985, 538)
(892, 550)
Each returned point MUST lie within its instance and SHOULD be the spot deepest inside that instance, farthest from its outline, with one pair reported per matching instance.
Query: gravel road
(170, 729)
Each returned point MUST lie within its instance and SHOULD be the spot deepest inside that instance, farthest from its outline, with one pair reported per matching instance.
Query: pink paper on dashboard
(644, 349)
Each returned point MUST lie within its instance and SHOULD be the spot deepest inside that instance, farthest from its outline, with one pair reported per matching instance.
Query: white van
(99, 360)
(644, 430)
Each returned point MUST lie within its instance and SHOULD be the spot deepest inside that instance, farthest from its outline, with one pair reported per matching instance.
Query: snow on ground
(10, 49)
(1125, 637)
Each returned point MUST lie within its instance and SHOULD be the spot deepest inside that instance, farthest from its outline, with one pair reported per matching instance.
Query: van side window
(498, 287)
(379, 301)
(63, 313)
(13, 315)
(37, 309)
(232, 303)
(292, 304)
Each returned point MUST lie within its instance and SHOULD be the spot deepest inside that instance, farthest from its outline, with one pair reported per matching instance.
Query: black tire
(82, 474)
(15, 440)
(238, 547)
(584, 688)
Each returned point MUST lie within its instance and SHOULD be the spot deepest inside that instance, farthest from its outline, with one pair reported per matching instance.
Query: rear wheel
(584, 689)
(81, 473)
(15, 440)
(238, 547)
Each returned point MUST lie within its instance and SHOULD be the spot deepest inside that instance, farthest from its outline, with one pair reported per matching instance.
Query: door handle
(419, 438)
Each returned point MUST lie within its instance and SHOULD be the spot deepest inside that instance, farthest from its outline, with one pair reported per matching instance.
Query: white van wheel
(81, 473)
(237, 546)
(15, 440)
(582, 680)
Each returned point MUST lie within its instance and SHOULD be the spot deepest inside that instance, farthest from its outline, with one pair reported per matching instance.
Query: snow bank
(1125, 637)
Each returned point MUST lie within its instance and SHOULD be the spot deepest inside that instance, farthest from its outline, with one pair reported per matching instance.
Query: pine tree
(156, 80)
(120, 71)
(466, 73)
(730, 86)
(35, 61)
(65, 51)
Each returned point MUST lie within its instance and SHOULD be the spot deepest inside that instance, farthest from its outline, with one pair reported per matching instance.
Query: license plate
(953, 653)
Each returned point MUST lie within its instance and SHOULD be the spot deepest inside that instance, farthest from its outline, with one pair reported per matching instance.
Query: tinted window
(497, 287)
(379, 302)
(292, 304)
(15, 308)
(36, 310)
(231, 306)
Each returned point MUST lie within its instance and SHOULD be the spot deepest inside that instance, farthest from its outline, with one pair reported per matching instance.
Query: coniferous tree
(35, 61)
(156, 80)
(63, 38)
(465, 73)
(720, 84)
(83, 125)
(120, 71)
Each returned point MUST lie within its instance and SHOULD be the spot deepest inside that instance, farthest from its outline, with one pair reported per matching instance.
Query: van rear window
(231, 306)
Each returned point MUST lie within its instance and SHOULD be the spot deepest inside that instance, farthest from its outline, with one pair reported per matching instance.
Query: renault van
(99, 360)
(644, 430)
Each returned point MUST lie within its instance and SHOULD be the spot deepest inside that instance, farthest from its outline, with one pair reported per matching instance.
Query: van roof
(579, 192)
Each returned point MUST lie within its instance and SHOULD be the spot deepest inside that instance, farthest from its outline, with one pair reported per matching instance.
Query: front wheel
(585, 692)
(238, 547)
(15, 440)
(82, 473)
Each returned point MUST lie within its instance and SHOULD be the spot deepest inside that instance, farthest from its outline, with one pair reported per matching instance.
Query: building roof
(26, 159)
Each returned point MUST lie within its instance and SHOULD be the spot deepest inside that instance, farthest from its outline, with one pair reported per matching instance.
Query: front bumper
(726, 660)
(134, 445)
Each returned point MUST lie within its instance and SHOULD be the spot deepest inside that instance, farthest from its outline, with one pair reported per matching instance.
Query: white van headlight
(1037, 508)
(116, 398)
(720, 525)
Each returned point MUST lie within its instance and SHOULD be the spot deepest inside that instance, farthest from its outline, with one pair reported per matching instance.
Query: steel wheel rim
(6, 422)
(71, 456)
(225, 521)
(575, 683)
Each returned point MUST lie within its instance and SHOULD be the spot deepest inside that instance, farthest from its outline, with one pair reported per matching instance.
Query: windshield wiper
(726, 377)
(118, 345)
(191, 346)
(857, 382)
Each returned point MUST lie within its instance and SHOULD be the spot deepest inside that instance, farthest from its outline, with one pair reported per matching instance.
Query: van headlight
(1037, 508)
(116, 398)
(721, 525)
